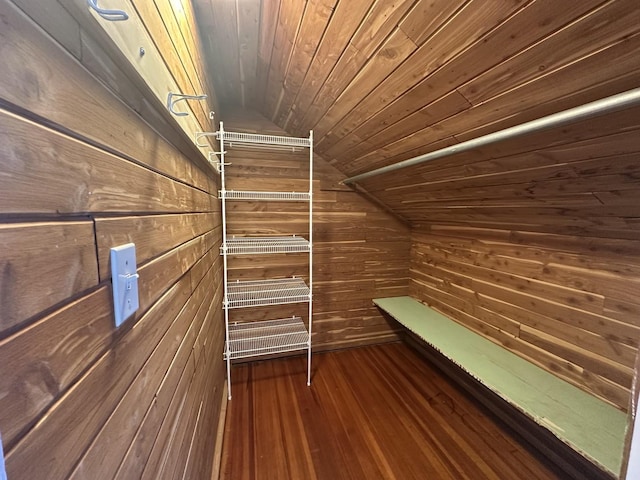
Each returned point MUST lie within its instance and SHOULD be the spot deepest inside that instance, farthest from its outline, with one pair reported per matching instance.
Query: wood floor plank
(377, 412)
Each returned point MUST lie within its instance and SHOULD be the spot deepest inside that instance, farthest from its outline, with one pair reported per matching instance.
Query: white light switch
(124, 278)
(3, 471)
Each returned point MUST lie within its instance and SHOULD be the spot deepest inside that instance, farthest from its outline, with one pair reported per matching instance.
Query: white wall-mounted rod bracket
(110, 15)
(599, 107)
(174, 98)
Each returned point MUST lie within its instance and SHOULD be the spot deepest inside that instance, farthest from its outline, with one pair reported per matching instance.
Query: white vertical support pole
(224, 259)
(310, 254)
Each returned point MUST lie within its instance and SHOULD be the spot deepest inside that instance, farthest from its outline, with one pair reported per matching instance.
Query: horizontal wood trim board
(128, 37)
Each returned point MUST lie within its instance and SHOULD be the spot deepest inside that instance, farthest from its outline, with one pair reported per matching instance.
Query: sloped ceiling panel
(580, 180)
(381, 81)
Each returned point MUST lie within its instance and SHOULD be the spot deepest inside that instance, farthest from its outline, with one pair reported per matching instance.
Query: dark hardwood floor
(378, 412)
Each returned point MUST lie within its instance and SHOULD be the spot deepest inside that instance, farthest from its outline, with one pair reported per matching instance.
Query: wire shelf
(264, 245)
(251, 139)
(252, 195)
(253, 339)
(260, 293)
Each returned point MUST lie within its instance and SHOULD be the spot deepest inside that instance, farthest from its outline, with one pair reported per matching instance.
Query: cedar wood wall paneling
(380, 82)
(550, 274)
(562, 302)
(82, 171)
(383, 81)
(360, 251)
(535, 247)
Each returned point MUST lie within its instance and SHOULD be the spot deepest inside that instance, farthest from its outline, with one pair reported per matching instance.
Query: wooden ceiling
(381, 81)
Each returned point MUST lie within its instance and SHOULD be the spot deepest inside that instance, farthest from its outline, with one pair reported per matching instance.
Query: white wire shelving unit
(267, 337)
(249, 339)
(265, 196)
(237, 139)
(262, 293)
(264, 245)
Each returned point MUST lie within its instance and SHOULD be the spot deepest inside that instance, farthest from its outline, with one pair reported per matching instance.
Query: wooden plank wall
(360, 251)
(534, 243)
(83, 168)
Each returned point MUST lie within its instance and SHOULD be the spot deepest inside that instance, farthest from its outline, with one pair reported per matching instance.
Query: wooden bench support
(549, 407)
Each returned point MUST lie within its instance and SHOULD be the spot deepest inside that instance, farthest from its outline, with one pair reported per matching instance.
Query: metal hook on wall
(199, 135)
(111, 15)
(174, 98)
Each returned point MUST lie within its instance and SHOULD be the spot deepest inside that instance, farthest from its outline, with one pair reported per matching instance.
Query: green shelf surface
(589, 425)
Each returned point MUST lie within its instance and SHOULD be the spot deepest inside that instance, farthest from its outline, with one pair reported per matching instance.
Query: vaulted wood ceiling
(382, 81)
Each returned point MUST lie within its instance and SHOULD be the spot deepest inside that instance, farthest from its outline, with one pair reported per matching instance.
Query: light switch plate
(124, 277)
(3, 471)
